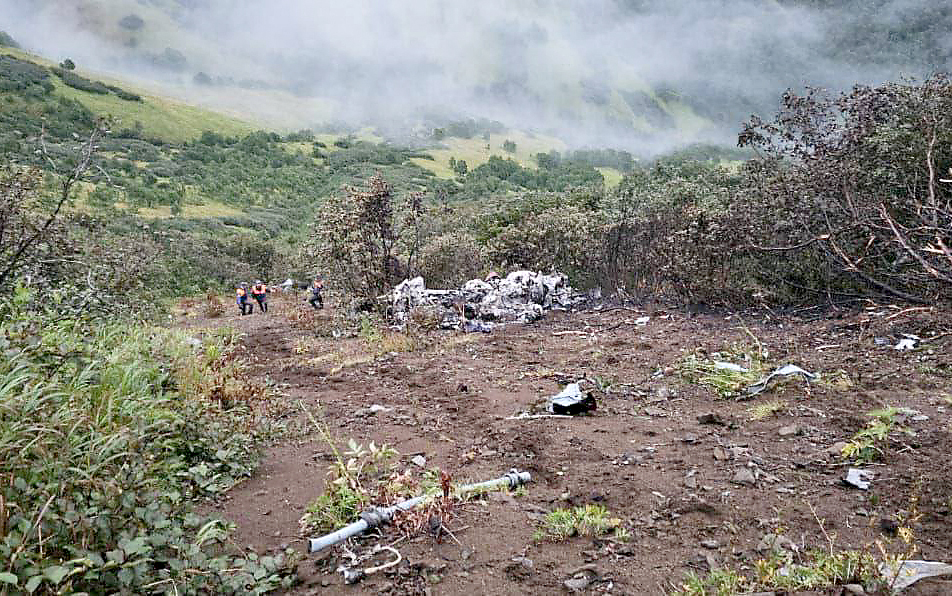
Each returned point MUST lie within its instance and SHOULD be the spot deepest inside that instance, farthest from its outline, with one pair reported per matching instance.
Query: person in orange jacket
(241, 299)
(259, 292)
(317, 289)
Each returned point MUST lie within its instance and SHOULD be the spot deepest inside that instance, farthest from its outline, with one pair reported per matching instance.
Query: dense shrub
(110, 431)
(16, 74)
(452, 258)
(71, 79)
(7, 41)
(852, 183)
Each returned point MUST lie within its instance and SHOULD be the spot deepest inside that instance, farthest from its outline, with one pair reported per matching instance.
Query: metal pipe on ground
(381, 515)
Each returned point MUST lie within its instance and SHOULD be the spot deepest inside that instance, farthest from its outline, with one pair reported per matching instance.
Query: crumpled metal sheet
(909, 572)
(783, 371)
(859, 478)
(522, 296)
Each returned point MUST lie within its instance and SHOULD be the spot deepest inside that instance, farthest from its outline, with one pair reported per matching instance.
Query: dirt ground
(652, 453)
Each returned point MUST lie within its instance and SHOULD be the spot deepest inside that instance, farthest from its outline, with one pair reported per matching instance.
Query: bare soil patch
(651, 453)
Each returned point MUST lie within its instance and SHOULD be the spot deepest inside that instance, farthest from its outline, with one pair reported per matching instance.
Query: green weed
(589, 520)
(108, 433)
(766, 409)
(867, 444)
(727, 372)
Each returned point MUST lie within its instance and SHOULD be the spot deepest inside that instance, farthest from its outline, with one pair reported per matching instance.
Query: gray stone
(419, 460)
(789, 431)
(744, 476)
(577, 584)
(711, 544)
(854, 590)
(776, 543)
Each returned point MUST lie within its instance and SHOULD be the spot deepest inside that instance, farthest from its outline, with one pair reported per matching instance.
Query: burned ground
(661, 453)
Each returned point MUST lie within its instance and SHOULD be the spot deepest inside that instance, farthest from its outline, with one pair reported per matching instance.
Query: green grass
(110, 431)
(590, 520)
(474, 151)
(822, 572)
(162, 118)
(612, 176)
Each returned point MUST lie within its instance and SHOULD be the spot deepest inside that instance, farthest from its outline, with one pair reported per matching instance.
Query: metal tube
(380, 515)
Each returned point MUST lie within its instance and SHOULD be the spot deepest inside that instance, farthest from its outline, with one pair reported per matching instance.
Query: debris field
(700, 478)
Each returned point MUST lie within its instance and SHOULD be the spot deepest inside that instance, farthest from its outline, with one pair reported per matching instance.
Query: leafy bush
(852, 183)
(71, 79)
(109, 432)
(451, 259)
(16, 74)
(7, 41)
(366, 240)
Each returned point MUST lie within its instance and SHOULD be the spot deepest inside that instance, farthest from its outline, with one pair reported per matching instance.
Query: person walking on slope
(259, 292)
(241, 299)
(317, 300)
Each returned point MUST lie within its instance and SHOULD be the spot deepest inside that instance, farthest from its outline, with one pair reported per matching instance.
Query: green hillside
(159, 117)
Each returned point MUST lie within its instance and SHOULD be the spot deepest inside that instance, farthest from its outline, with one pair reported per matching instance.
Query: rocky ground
(698, 480)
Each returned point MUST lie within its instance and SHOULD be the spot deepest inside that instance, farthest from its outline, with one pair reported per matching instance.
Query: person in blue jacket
(241, 299)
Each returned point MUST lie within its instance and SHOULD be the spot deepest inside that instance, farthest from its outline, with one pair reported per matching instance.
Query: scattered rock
(689, 438)
(524, 561)
(372, 410)
(690, 482)
(836, 448)
(789, 430)
(854, 590)
(721, 454)
(577, 584)
(419, 460)
(711, 418)
(776, 543)
(657, 412)
(710, 544)
(888, 526)
(744, 476)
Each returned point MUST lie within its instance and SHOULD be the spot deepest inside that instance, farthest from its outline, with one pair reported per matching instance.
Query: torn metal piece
(571, 401)
(906, 343)
(859, 478)
(909, 572)
(477, 327)
(729, 366)
(522, 296)
(352, 576)
(783, 371)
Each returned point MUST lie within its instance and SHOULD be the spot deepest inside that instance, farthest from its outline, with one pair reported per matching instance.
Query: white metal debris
(522, 296)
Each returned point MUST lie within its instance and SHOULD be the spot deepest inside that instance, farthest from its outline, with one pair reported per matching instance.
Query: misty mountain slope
(647, 75)
(159, 117)
(512, 70)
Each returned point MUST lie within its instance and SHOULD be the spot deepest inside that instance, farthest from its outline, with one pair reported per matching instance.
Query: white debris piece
(859, 478)
(901, 576)
(522, 296)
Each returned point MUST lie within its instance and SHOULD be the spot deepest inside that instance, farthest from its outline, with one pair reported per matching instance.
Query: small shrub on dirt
(766, 410)
(869, 443)
(590, 520)
(355, 477)
(818, 571)
(727, 372)
(213, 307)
